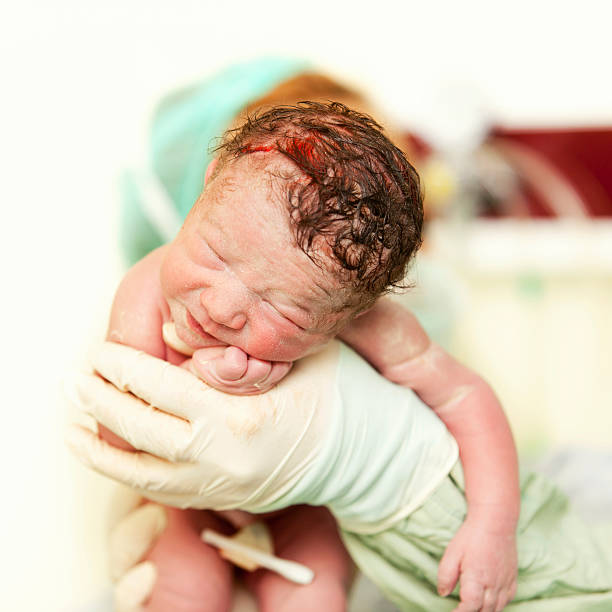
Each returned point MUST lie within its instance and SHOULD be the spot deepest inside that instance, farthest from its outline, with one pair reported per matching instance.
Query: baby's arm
(136, 318)
(138, 308)
(484, 551)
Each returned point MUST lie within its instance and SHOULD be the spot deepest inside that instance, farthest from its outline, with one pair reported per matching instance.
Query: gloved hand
(333, 432)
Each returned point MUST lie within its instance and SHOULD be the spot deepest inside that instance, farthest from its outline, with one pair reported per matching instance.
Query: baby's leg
(307, 535)
(191, 576)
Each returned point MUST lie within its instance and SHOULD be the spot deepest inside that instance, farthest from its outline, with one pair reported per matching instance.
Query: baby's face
(234, 275)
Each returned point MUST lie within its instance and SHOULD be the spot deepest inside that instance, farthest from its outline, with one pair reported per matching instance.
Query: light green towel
(565, 565)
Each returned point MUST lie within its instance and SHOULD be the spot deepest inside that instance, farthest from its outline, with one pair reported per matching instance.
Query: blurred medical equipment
(472, 167)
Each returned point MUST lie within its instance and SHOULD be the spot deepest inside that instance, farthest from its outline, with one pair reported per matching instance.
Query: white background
(78, 79)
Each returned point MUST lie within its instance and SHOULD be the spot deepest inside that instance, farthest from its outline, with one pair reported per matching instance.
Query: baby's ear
(211, 169)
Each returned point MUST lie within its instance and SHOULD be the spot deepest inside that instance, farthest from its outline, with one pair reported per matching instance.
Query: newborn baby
(309, 214)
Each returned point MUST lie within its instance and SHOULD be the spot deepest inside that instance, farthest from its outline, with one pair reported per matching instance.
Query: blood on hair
(361, 196)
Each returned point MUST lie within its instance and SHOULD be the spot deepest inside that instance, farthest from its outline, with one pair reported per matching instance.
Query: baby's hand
(230, 369)
(485, 562)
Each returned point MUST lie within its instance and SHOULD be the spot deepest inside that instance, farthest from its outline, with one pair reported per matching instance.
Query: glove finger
(135, 587)
(123, 501)
(173, 341)
(258, 371)
(137, 470)
(173, 390)
(280, 369)
(133, 537)
(182, 499)
(132, 419)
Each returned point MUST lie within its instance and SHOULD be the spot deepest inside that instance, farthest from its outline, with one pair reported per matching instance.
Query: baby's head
(309, 214)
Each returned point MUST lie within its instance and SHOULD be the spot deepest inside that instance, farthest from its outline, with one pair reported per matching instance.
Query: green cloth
(565, 565)
(185, 125)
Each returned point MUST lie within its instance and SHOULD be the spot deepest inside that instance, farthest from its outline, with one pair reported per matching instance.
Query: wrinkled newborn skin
(234, 277)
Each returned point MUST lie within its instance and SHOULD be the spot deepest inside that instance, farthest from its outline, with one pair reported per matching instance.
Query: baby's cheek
(282, 348)
(260, 341)
(266, 344)
(113, 439)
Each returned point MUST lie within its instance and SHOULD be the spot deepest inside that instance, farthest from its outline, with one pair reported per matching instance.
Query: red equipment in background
(562, 172)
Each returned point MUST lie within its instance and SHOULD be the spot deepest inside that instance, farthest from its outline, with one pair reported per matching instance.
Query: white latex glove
(333, 432)
(131, 539)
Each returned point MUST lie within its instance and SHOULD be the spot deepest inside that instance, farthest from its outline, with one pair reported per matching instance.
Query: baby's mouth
(195, 326)
(199, 330)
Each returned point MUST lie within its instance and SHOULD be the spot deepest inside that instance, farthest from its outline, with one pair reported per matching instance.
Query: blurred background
(506, 111)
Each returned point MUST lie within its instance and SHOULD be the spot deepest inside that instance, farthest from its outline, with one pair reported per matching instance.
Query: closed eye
(212, 258)
(278, 314)
(215, 254)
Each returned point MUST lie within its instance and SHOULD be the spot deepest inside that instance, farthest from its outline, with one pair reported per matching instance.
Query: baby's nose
(224, 308)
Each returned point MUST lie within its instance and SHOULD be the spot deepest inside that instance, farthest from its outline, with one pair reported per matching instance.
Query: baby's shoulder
(138, 307)
(143, 275)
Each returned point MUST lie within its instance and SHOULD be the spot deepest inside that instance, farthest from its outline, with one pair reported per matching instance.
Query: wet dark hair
(355, 190)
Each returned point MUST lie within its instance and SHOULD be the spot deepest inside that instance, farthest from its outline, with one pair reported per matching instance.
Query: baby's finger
(259, 379)
(464, 607)
(505, 597)
(471, 595)
(489, 601)
(211, 366)
(511, 592)
(258, 372)
(279, 370)
(209, 353)
(501, 603)
(448, 571)
(232, 366)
